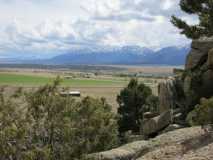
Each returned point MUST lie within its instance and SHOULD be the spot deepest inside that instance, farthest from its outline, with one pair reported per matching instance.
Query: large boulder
(156, 124)
(198, 76)
(199, 52)
(167, 146)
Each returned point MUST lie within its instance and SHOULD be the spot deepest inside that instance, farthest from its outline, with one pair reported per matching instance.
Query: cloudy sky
(50, 27)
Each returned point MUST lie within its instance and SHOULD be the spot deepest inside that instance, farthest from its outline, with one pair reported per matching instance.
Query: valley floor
(107, 83)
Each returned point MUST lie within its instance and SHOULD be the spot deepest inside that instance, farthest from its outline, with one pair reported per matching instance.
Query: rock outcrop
(199, 52)
(184, 91)
(187, 143)
(156, 124)
(198, 76)
(166, 95)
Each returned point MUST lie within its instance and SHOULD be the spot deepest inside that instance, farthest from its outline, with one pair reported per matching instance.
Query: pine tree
(131, 102)
(201, 8)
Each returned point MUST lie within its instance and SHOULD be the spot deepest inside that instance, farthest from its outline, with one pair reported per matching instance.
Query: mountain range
(123, 55)
(126, 55)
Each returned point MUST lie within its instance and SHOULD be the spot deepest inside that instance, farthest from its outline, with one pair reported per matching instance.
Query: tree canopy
(201, 8)
(132, 100)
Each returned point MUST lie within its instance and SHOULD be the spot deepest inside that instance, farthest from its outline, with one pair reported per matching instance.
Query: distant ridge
(124, 55)
(127, 55)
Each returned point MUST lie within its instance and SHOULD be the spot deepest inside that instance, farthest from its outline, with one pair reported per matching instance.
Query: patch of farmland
(30, 80)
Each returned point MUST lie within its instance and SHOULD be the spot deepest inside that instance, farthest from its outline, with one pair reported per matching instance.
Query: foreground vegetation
(43, 125)
(202, 113)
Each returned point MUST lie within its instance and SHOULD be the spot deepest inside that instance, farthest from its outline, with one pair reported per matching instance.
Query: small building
(71, 93)
(68, 77)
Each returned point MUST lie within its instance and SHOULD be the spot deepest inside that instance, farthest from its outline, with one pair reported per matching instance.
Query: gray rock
(187, 84)
(199, 51)
(210, 59)
(191, 147)
(193, 59)
(198, 83)
(177, 118)
(126, 152)
(133, 138)
(166, 96)
(156, 124)
(206, 89)
(139, 149)
(148, 115)
(172, 127)
(203, 44)
(176, 111)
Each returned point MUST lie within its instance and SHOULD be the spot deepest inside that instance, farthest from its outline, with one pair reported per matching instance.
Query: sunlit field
(30, 80)
(99, 86)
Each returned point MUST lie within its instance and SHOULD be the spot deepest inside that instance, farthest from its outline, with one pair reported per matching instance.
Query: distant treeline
(72, 67)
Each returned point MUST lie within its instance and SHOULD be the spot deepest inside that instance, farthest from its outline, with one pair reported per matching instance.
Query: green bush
(49, 126)
(202, 114)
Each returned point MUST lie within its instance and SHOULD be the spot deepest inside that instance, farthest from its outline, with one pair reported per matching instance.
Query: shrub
(50, 126)
(202, 114)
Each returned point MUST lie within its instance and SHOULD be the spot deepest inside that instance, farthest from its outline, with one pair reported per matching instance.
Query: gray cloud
(145, 10)
(52, 38)
(78, 24)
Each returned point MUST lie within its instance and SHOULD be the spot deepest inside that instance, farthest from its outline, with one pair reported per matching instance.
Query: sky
(50, 27)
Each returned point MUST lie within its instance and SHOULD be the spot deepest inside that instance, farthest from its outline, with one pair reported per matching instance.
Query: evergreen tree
(201, 8)
(131, 101)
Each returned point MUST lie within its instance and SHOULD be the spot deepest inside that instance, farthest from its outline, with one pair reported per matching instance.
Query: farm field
(103, 85)
(30, 80)
(107, 88)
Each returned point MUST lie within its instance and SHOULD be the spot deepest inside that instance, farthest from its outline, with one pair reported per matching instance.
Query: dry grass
(149, 69)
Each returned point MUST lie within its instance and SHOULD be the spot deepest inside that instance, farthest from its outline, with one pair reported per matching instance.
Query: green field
(108, 87)
(30, 80)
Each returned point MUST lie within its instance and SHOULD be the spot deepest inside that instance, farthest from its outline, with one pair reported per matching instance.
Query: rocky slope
(182, 144)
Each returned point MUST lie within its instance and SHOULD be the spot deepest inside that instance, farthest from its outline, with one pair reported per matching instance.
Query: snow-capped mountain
(123, 55)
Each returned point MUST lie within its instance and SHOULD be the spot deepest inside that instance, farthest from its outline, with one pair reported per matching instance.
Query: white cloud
(167, 4)
(55, 26)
